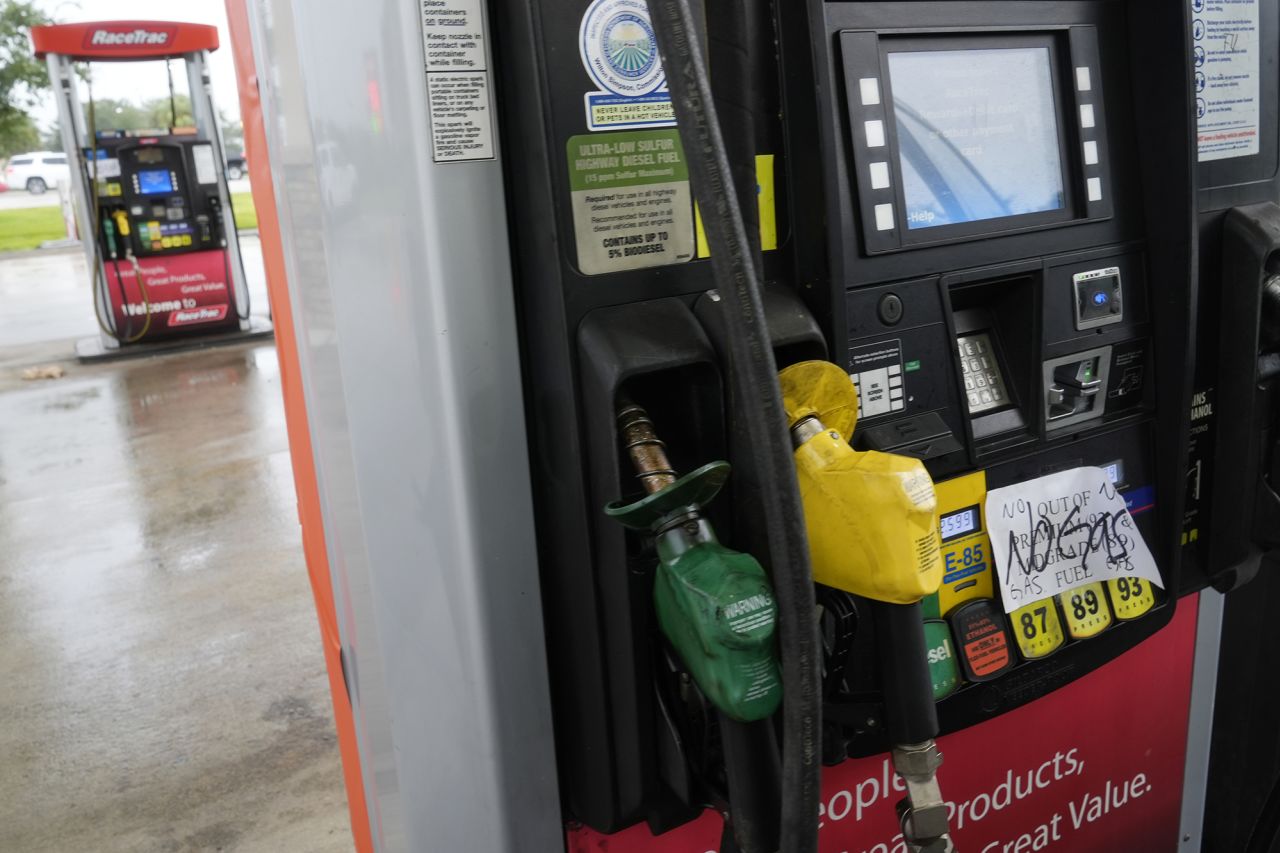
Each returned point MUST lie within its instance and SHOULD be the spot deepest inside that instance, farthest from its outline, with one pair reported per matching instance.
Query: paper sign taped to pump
(1062, 531)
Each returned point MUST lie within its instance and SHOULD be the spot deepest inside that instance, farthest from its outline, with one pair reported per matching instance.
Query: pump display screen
(977, 134)
(959, 523)
(149, 156)
(1115, 472)
(152, 181)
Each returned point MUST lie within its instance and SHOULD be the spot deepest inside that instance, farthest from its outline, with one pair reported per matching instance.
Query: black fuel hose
(911, 715)
(753, 376)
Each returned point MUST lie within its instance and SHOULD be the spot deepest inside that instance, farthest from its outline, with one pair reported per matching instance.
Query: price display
(958, 523)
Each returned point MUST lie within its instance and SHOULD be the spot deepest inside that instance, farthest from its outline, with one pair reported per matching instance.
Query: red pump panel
(123, 40)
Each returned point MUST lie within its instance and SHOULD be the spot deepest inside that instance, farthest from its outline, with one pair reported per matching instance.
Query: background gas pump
(153, 206)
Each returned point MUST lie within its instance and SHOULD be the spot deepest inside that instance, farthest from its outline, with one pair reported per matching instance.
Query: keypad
(982, 380)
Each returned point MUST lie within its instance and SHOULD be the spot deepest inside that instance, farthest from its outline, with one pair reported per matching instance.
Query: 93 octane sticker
(1130, 597)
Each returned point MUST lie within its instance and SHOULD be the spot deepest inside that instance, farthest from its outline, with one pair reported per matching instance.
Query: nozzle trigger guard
(693, 490)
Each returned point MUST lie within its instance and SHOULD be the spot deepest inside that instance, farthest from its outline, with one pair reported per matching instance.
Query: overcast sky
(139, 81)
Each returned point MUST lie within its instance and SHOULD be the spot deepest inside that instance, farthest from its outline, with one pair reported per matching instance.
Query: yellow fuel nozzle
(122, 222)
(872, 517)
(872, 520)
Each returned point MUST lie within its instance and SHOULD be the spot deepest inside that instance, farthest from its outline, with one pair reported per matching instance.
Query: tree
(18, 134)
(51, 139)
(159, 113)
(22, 77)
(114, 114)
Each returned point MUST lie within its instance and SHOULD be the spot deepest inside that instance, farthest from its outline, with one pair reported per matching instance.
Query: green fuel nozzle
(714, 605)
(110, 232)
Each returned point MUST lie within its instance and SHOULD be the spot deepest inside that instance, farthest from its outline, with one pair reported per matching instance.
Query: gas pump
(152, 206)
(922, 274)
(972, 214)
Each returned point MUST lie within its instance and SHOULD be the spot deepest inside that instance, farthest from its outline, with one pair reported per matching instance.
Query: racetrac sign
(118, 40)
(106, 36)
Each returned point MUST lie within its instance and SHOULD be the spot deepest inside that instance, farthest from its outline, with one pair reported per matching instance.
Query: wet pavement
(164, 687)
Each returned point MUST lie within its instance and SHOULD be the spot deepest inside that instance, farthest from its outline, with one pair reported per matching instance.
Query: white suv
(37, 171)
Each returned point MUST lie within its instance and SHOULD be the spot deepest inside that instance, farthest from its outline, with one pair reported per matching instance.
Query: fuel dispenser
(152, 206)
(922, 275)
(978, 215)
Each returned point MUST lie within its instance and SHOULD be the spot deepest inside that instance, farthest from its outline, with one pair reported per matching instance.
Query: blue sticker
(620, 53)
(1140, 500)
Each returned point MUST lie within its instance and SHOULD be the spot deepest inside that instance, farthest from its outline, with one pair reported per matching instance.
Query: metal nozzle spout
(805, 429)
(648, 453)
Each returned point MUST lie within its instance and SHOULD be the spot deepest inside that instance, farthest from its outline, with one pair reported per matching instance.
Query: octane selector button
(982, 639)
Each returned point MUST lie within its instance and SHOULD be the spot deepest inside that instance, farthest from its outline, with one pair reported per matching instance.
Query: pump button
(1130, 597)
(983, 639)
(890, 309)
(1037, 629)
(943, 669)
(1086, 610)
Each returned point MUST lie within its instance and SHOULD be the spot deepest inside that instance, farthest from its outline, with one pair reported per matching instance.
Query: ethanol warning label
(1225, 52)
(632, 206)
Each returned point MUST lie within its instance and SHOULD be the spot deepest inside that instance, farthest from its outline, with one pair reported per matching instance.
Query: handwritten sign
(1063, 531)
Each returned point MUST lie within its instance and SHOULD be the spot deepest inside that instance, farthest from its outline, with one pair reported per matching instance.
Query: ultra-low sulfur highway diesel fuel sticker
(632, 207)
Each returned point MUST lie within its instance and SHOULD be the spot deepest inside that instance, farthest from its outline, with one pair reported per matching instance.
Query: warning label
(453, 45)
(986, 647)
(453, 35)
(461, 126)
(631, 202)
(1226, 55)
(606, 111)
